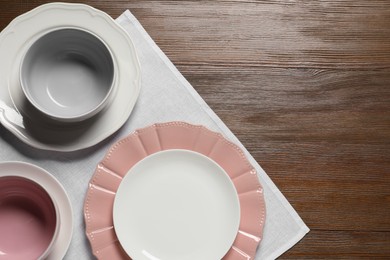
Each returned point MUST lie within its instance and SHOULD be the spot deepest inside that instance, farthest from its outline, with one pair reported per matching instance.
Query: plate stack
(174, 191)
(70, 80)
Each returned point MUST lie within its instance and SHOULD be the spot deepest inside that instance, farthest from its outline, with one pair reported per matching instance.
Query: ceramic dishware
(16, 113)
(29, 219)
(144, 144)
(176, 194)
(68, 74)
(59, 196)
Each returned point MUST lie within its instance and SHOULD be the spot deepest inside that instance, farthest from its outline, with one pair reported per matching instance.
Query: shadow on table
(38, 154)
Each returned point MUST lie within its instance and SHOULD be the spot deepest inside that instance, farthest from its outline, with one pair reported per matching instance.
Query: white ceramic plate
(176, 204)
(127, 152)
(15, 114)
(55, 189)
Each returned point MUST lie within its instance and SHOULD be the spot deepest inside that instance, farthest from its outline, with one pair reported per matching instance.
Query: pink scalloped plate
(123, 155)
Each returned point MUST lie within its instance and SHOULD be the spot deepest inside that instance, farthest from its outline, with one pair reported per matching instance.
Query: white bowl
(68, 74)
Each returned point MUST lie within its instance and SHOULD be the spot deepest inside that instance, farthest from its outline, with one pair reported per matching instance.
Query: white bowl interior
(68, 74)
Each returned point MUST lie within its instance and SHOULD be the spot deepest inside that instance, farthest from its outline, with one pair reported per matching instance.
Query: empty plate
(143, 143)
(176, 204)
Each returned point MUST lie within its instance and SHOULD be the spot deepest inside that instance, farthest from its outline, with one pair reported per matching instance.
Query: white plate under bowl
(15, 114)
(176, 204)
(55, 189)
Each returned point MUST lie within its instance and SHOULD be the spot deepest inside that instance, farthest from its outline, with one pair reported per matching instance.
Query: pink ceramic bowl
(29, 219)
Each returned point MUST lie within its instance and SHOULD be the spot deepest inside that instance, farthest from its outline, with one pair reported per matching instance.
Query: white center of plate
(176, 204)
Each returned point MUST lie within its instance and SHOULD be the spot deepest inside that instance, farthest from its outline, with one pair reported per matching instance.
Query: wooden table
(305, 85)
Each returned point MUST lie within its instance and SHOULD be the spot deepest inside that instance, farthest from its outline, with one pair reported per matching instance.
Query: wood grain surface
(305, 86)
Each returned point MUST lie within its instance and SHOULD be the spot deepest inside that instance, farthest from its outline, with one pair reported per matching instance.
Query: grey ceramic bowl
(68, 74)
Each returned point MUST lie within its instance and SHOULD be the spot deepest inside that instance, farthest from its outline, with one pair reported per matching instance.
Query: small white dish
(60, 198)
(16, 113)
(68, 74)
(176, 204)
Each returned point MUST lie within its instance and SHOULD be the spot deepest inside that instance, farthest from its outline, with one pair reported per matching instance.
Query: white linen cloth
(165, 96)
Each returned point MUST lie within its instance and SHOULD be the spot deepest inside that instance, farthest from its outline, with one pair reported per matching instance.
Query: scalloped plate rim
(261, 203)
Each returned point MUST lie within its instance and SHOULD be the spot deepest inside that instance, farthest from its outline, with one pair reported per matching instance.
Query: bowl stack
(68, 82)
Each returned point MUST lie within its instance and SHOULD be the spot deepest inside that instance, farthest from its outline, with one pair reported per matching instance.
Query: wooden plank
(305, 34)
(342, 245)
(291, 105)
